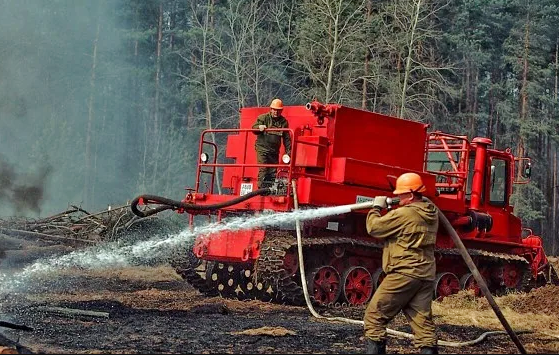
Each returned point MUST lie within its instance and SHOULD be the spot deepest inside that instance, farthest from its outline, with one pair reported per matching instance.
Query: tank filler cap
(482, 140)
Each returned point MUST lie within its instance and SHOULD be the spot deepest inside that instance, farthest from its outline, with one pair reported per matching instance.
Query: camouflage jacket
(409, 233)
(270, 141)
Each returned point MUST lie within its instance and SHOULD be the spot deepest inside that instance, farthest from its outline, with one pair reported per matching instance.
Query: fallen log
(73, 312)
(24, 233)
(14, 326)
(9, 243)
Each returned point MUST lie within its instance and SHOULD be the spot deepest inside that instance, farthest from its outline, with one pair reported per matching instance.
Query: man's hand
(262, 127)
(380, 202)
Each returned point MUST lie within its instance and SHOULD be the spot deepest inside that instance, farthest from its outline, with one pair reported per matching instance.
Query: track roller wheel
(263, 292)
(512, 277)
(446, 284)
(291, 261)
(324, 285)
(224, 278)
(251, 287)
(378, 276)
(246, 284)
(468, 282)
(358, 285)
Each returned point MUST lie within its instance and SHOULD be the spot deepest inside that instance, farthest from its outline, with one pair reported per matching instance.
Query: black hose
(479, 279)
(174, 204)
(15, 326)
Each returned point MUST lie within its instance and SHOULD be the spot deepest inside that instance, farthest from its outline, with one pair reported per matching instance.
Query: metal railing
(211, 167)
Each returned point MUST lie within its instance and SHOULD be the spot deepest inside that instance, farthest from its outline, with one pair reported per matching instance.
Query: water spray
(117, 254)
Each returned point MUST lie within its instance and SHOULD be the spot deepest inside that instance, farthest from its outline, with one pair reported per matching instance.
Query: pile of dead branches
(73, 226)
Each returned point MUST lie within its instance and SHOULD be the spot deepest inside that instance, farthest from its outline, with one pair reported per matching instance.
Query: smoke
(23, 192)
(50, 112)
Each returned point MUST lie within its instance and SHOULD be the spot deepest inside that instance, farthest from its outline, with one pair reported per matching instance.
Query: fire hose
(167, 204)
(180, 205)
(463, 252)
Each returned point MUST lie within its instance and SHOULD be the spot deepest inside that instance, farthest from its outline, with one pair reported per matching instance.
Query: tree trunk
(474, 108)
(407, 68)
(554, 207)
(366, 64)
(207, 88)
(554, 234)
(156, 119)
(556, 71)
(491, 109)
(334, 46)
(87, 194)
(524, 89)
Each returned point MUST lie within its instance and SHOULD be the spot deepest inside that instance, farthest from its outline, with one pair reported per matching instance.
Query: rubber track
(270, 264)
(186, 267)
(286, 287)
(275, 247)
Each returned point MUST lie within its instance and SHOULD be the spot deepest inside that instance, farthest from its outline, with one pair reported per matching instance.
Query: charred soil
(150, 310)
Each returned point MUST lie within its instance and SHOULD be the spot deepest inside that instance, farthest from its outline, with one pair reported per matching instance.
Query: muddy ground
(149, 309)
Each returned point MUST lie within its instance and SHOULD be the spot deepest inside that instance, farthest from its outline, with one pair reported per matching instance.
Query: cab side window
(498, 182)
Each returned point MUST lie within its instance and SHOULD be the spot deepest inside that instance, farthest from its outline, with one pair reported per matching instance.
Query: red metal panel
(450, 203)
(236, 246)
(311, 151)
(234, 149)
(358, 172)
(324, 193)
(257, 203)
(378, 138)
(240, 149)
(506, 227)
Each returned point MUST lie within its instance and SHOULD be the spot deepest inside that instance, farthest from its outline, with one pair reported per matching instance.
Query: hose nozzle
(390, 201)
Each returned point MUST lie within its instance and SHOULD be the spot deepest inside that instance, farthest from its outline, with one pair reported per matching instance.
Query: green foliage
(529, 203)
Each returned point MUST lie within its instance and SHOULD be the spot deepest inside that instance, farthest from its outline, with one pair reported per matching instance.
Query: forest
(103, 100)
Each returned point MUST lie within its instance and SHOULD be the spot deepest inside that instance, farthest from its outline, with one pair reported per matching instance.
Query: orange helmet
(409, 182)
(277, 104)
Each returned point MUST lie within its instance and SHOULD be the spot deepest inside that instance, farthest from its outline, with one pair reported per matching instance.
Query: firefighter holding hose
(268, 143)
(408, 260)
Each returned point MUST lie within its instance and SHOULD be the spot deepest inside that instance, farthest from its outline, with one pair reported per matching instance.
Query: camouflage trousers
(413, 297)
(266, 175)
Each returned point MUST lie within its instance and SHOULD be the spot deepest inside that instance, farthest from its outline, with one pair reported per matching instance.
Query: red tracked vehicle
(343, 156)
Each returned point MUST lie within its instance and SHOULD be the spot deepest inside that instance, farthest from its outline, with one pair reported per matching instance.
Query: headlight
(286, 159)
(204, 158)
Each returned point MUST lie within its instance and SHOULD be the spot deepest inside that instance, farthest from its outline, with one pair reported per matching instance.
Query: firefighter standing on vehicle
(408, 260)
(268, 143)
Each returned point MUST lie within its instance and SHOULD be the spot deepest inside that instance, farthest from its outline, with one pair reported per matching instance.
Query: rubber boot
(429, 350)
(375, 347)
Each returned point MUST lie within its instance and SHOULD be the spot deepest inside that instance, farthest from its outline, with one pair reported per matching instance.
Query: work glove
(262, 127)
(380, 202)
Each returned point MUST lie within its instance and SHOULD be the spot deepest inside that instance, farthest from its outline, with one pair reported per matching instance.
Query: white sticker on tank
(245, 188)
(360, 199)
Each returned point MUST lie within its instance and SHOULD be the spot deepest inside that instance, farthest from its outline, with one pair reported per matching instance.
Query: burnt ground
(148, 310)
